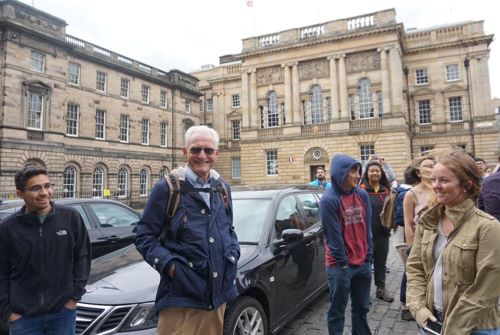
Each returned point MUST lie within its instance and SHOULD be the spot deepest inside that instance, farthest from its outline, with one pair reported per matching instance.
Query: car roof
(269, 191)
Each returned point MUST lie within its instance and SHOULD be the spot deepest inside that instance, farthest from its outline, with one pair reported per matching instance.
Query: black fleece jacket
(42, 266)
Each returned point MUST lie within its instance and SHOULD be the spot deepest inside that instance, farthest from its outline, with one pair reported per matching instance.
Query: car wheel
(245, 317)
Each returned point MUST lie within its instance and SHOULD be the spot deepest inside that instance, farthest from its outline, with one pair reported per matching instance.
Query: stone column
(245, 110)
(288, 93)
(296, 95)
(386, 94)
(334, 88)
(254, 117)
(396, 80)
(344, 113)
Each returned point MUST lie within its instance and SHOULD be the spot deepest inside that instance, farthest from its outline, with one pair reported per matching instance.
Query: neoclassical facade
(360, 86)
(101, 123)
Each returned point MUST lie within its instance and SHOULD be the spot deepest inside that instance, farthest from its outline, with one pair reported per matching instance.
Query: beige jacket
(471, 270)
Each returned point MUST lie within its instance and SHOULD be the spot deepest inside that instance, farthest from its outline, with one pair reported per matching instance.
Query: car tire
(245, 316)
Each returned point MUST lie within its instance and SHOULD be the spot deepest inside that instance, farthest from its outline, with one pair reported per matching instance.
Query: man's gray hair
(201, 130)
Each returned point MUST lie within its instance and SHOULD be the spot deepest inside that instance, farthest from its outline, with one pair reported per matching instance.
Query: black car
(111, 224)
(281, 269)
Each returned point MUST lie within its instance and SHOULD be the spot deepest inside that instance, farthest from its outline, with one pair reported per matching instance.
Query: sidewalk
(384, 318)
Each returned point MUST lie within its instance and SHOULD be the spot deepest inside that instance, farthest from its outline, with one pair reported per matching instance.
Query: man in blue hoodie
(346, 215)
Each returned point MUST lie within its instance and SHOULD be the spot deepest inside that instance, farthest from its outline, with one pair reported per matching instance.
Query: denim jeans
(57, 323)
(356, 282)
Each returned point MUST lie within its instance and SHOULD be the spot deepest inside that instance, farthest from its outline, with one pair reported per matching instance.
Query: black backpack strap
(174, 198)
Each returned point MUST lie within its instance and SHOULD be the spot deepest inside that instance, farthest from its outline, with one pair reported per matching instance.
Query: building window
(124, 127)
(424, 111)
(316, 105)
(210, 105)
(163, 134)
(145, 94)
(235, 101)
(365, 152)
(162, 174)
(272, 162)
(236, 129)
(187, 106)
(124, 87)
(74, 74)
(72, 117)
(380, 103)
(272, 109)
(421, 77)
(100, 81)
(100, 124)
(426, 149)
(122, 182)
(455, 105)
(37, 61)
(97, 182)
(163, 99)
(35, 110)
(69, 184)
(143, 182)
(328, 102)
(365, 99)
(462, 146)
(145, 131)
(452, 72)
(236, 167)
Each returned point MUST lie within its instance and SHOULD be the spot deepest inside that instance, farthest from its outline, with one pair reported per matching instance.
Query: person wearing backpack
(375, 182)
(193, 246)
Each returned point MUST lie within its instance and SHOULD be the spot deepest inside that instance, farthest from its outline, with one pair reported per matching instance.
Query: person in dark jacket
(45, 257)
(375, 182)
(346, 216)
(489, 197)
(198, 257)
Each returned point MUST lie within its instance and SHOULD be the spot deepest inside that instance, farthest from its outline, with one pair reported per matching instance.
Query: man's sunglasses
(197, 150)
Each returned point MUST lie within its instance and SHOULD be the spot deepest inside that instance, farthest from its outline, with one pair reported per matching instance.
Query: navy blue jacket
(200, 241)
(489, 198)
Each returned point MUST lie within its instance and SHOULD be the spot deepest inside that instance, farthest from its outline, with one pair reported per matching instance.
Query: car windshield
(249, 218)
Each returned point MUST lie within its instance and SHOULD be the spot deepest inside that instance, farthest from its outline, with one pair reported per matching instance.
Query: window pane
(35, 109)
(455, 109)
(97, 183)
(112, 215)
(122, 182)
(424, 111)
(143, 182)
(272, 162)
(272, 109)
(69, 187)
(316, 105)
(74, 74)
(163, 134)
(365, 99)
(236, 129)
(124, 84)
(100, 124)
(37, 61)
(72, 120)
(288, 216)
(236, 167)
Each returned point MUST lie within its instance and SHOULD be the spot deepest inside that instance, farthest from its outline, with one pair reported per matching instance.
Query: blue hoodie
(346, 218)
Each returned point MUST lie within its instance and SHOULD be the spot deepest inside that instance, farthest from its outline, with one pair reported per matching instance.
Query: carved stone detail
(270, 75)
(317, 68)
(39, 23)
(363, 61)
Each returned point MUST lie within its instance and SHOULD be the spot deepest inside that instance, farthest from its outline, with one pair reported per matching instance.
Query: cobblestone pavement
(383, 318)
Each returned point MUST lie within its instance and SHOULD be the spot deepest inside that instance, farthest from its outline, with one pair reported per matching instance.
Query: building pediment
(235, 114)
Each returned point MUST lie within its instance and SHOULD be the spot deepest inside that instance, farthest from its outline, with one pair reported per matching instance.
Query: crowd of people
(446, 232)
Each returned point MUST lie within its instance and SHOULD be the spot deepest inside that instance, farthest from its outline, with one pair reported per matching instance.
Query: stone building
(361, 86)
(102, 123)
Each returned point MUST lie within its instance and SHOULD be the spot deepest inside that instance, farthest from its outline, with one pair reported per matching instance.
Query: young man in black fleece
(44, 260)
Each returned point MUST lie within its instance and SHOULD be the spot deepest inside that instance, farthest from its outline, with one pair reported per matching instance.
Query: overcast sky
(186, 34)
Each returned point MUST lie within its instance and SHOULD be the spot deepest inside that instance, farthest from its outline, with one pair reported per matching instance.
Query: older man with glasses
(44, 260)
(197, 257)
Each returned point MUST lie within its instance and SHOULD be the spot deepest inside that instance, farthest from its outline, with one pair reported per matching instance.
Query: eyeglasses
(197, 150)
(38, 188)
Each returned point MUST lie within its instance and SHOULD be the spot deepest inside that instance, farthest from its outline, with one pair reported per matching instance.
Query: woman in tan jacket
(454, 266)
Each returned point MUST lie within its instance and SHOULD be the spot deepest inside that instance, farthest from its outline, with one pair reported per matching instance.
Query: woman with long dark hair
(377, 185)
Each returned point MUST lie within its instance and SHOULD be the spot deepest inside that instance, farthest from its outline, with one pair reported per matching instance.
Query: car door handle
(111, 239)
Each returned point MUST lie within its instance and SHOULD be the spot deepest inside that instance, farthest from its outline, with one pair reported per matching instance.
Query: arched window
(69, 186)
(365, 99)
(162, 174)
(316, 105)
(143, 182)
(97, 182)
(272, 110)
(122, 182)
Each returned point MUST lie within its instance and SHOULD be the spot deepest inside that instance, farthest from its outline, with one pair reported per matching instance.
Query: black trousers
(380, 253)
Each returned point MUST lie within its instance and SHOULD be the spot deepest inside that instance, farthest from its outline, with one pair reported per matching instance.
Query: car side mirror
(291, 235)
